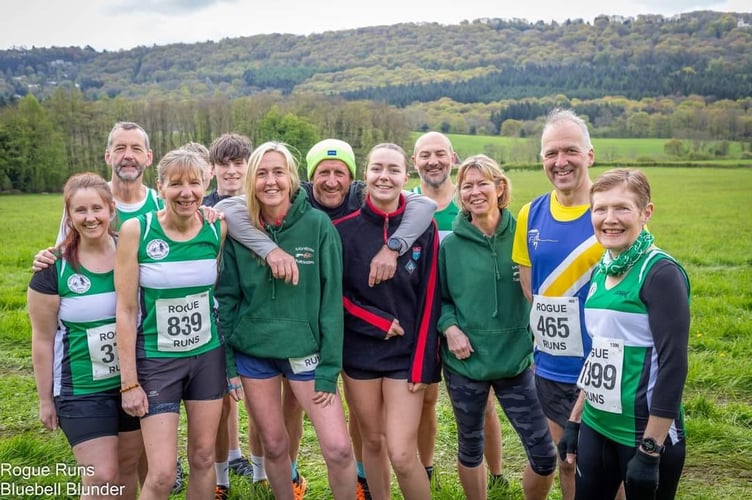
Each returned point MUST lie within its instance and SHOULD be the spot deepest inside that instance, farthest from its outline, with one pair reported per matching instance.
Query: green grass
(525, 151)
(702, 217)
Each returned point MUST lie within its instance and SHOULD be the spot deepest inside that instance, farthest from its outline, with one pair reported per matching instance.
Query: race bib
(103, 352)
(555, 322)
(600, 377)
(306, 364)
(183, 324)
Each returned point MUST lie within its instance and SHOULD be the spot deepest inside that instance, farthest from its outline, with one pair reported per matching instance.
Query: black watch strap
(650, 445)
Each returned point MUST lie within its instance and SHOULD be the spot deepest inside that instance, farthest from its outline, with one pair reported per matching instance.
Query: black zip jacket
(412, 296)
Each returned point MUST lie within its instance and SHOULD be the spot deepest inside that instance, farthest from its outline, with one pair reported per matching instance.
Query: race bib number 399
(601, 374)
(555, 322)
(103, 352)
(183, 324)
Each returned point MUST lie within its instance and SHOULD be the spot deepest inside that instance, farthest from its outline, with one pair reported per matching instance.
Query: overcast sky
(124, 24)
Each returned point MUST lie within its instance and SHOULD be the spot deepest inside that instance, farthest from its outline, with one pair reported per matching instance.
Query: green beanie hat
(330, 149)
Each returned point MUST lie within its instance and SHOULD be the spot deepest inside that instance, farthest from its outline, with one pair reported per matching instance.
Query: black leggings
(602, 466)
(519, 401)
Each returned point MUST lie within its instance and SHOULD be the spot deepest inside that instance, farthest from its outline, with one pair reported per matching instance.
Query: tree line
(43, 142)
(693, 117)
(581, 81)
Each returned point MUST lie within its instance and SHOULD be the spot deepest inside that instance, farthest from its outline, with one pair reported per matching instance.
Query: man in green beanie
(331, 188)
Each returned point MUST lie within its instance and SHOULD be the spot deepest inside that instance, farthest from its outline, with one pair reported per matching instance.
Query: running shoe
(221, 492)
(299, 486)
(241, 467)
(361, 489)
(433, 479)
(179, 478)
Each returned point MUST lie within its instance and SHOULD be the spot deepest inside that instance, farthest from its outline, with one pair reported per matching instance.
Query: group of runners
(568, 311)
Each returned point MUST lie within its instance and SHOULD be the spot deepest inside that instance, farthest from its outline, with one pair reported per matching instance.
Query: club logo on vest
(533, 237)
(416, 252)
(157, 249)
(410, 266)
(78, 283)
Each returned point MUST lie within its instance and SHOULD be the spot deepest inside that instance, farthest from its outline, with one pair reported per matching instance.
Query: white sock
(259, 472)
(234, 454)
(223, 473)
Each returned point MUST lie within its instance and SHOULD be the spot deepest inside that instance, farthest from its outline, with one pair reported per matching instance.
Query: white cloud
(119, 24)
(170, 7)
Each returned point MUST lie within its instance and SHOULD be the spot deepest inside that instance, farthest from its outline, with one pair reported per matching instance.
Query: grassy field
(702, 217)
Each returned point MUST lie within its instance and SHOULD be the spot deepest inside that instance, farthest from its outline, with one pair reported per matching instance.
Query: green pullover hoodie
(265, 317)
(481, 295)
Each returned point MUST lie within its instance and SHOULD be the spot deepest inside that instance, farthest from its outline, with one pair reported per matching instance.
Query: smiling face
(386, 175)
(272, 183)
(90, 214)
(180, 180)
(566, 158)
(433, 158)
(331, 182)
(182, 191)
(127, 155)
(479, 195)
(230, 175)
(617, 218)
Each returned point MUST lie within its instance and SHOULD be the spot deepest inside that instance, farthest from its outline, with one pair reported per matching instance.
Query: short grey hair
(128, 126)
(559, 115)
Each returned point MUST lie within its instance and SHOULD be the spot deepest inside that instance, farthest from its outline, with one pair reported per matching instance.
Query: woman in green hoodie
(275, 329)
(484, 318)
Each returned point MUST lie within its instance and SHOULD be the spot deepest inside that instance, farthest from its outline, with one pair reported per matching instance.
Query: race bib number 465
(555, 322)
(183, 324)
(601, 374)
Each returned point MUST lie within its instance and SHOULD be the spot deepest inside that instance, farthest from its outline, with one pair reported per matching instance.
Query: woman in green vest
(637, 311)
(72, 311)
(167, 340)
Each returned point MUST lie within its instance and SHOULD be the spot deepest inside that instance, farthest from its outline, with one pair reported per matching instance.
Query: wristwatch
(394, 244)
(651, 446)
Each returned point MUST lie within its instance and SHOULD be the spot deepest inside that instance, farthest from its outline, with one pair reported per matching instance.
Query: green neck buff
(625, 260)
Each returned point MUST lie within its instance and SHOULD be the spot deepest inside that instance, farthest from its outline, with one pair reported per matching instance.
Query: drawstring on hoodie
(273, 236)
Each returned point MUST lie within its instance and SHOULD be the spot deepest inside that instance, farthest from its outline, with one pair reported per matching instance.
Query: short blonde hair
(182, 162)
(490, 170)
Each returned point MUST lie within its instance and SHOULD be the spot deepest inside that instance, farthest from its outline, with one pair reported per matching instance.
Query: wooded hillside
(704, 53)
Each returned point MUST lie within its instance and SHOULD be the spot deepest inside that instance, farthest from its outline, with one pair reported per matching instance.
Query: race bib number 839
(184, 323)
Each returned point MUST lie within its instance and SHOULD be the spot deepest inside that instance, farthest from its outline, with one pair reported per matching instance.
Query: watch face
(649, 445)
(393, 244)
